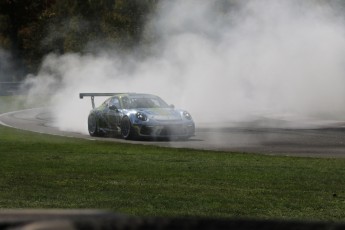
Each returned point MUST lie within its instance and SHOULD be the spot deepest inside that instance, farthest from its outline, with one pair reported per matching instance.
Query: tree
(18, 31)
(32, 29)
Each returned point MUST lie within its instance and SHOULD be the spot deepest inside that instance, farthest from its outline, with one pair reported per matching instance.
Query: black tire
(93, 126)
(126, 129)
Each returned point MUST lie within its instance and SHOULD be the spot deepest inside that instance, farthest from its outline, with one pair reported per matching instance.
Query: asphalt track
(326, 139)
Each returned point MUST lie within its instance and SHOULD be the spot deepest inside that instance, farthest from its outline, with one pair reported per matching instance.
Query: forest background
(31, 29)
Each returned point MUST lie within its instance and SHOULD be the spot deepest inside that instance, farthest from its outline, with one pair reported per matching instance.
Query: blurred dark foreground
(93, 219)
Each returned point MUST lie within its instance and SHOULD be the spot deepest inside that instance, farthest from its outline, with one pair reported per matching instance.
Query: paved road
(256, 137)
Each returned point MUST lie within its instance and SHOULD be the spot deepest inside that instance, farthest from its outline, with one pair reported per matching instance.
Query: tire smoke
(223, 61)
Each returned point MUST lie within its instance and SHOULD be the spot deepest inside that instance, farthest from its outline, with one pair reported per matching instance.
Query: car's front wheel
(126, 129)
(92, 126)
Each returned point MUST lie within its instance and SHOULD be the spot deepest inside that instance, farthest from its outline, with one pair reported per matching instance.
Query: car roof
(137, 95)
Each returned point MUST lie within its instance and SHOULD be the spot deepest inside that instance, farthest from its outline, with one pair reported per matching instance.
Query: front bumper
(165, 130)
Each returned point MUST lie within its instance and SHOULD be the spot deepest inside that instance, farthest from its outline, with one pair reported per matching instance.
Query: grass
(43, 171)
(10, 103)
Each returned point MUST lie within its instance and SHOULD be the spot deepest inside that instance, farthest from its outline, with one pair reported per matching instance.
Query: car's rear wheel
(92, 126)
(126, 129)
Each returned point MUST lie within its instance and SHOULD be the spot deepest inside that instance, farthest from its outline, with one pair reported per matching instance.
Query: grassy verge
(42, 171)
(39, 171)
(11, 103)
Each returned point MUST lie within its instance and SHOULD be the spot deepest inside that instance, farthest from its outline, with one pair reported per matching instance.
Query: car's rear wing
(93, 95)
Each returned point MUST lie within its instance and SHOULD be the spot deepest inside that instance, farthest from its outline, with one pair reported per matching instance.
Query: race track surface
(327, 140)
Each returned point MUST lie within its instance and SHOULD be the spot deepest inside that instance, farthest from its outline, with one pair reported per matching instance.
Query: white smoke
(221, 60)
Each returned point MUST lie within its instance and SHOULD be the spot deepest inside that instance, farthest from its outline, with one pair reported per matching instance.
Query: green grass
(10, 103)
(40, 171)
(43, 171)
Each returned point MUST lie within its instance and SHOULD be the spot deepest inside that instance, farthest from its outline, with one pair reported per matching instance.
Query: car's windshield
(143, 102)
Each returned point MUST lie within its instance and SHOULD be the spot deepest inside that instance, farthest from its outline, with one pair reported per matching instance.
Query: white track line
(13, 112)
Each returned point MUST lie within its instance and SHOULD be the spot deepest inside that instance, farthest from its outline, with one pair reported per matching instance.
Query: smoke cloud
(223, 61)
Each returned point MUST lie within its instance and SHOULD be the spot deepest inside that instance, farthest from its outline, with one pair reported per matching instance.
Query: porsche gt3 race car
(136, 116)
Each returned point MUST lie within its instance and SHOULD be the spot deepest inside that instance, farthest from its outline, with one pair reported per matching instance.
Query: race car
(135, 116)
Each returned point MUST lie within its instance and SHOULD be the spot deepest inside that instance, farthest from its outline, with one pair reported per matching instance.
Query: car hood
(162, 114)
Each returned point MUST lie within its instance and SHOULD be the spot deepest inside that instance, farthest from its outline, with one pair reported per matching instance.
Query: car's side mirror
(113, 107)
(172, 106)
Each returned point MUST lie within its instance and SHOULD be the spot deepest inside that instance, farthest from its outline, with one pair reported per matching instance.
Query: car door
(113, 113)
(102, 115)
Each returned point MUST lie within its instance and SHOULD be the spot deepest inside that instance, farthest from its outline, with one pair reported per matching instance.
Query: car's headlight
(187, 115)
(141, 116)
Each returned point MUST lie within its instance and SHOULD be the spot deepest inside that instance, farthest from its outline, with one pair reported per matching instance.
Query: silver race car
(135, 116)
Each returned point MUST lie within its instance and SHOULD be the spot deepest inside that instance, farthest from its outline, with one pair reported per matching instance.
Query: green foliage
(4, 26)
(32, 29)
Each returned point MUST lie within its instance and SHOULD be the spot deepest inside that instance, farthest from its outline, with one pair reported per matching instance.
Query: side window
(155, 103)
(114, 101)
(105, 103)
(126, 103)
